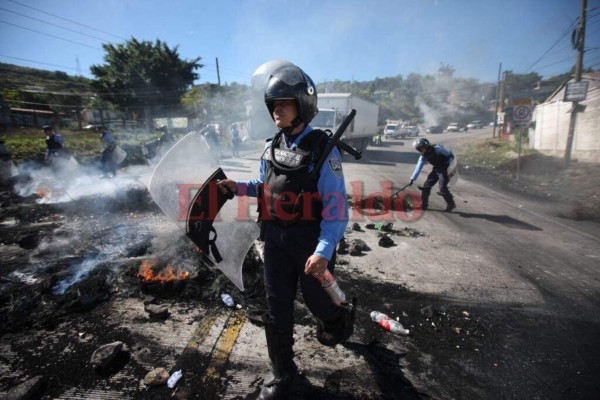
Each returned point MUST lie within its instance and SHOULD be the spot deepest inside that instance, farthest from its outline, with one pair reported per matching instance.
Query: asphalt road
(513, 288)
(500, 297)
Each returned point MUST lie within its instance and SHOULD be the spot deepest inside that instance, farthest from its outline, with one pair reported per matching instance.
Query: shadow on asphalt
(505, 220)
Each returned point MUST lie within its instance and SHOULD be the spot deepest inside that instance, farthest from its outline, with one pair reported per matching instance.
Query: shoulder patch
(336, 167)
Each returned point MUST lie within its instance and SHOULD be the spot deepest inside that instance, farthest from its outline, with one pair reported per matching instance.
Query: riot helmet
(289, 82)
(261, 75)
(421, 144)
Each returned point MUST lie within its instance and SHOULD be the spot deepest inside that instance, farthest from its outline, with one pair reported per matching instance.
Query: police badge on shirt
(336, 167)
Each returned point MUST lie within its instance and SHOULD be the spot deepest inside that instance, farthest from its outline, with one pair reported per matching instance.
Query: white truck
(334, 107)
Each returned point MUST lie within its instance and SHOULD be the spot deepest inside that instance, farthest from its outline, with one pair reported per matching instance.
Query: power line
(570, 58)
(561, 38)
(50, 23)
(68, 20)
(37, 62)
(50, 35)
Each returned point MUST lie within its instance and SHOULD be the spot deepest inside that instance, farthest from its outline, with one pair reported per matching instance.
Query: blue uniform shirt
(331, 187)
(107, 139)
(438, 149)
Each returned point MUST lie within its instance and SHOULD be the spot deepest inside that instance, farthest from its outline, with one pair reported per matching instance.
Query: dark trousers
(107, 163)
(441, 175)
(286, 252)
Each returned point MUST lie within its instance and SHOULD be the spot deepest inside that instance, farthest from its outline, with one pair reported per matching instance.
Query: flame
(42, 192)
(167, 274)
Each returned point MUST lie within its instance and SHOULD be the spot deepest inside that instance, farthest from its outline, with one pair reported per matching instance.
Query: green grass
(494, 154)
(29, 143)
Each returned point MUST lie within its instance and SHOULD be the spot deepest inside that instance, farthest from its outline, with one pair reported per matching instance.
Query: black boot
(331, 333)
(425, 192)
(451, 205)
(284, 369)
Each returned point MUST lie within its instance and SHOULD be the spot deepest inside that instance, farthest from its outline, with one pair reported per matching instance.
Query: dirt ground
(544, 178)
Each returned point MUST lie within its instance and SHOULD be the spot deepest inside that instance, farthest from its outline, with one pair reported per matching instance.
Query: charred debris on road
(73, 271)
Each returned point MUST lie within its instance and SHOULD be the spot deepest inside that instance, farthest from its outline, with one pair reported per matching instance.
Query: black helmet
(261, 76)
(289, 82)
(46, 128)
(421, 143)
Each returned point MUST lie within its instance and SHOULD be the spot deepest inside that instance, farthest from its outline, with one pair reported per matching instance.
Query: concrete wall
(552, 127)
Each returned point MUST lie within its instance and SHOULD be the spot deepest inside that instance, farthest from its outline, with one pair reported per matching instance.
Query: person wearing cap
(440, 158)
(55, 143)
(303, 216)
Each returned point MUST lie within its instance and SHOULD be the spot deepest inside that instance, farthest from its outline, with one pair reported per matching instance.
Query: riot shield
(453, 172)
(175, 187)
(118, 155)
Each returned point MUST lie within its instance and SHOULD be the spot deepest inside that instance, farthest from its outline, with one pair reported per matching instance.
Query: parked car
(453, 127)
(411, 130)
(475, 125)
(435, 129)
(391, 131)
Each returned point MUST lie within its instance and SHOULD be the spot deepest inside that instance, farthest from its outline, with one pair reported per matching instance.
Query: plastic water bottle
(389, 324)
(227, 300)
(332, 288)
(174, 379)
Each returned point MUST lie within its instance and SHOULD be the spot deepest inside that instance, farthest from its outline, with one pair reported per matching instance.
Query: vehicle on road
(411, 130)
(453, 127)
(477, 124)
(435, 129)
(334, 107)
(391, 131)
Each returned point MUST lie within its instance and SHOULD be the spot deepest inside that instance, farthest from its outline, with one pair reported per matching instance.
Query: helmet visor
(261, 76)
(290, 75)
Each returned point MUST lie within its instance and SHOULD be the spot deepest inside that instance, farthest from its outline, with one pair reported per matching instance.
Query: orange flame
(42, 192)
(167, 274)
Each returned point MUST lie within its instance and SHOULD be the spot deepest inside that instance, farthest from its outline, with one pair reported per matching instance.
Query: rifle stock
(335, 140)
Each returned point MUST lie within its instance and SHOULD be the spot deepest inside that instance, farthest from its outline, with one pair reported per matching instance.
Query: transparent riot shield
(188, 166)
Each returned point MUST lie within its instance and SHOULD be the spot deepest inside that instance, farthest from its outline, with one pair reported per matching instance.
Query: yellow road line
(224, 346)
(201, 332)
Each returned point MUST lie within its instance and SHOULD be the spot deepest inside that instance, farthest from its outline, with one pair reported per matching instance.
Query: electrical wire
(560, 39)
(69, 20)
(50, 23)
(38, 62)
(50, 35)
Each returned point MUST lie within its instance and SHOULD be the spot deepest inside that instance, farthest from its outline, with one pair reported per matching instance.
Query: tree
(446, 70)
(143, 78)
(515, 83)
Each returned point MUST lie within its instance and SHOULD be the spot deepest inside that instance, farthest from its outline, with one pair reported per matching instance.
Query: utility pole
(497, 92)
(218, 73)
(501, 104)
(578, 43)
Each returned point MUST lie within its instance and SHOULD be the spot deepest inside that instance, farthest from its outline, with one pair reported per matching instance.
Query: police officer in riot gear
(55, 144)
(303, 220)
(440, 158)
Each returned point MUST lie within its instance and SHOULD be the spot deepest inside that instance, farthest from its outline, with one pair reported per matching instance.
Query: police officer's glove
(410, 182)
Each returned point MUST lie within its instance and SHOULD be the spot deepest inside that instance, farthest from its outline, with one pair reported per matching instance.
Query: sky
(329, 39)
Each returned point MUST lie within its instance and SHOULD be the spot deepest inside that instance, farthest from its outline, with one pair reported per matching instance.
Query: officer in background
(235, 140)
(166, 138)
(6, 164)
(108, 166)
(4, 153)
(55, 144)
(440, 158)
(303, 220)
